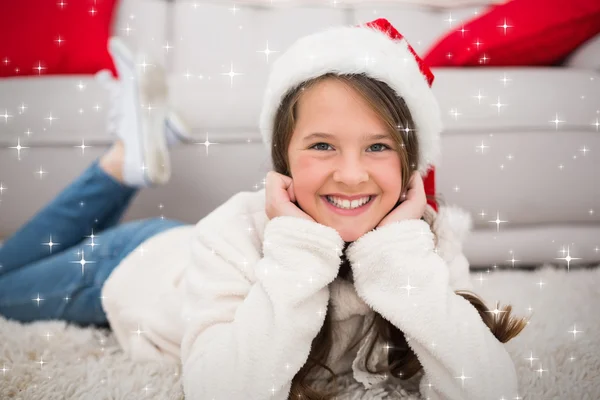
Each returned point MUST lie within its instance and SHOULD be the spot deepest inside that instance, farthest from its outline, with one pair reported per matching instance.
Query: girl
(339, 272)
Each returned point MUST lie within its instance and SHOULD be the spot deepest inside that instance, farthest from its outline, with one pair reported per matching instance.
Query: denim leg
(67, 285)
(94, 200)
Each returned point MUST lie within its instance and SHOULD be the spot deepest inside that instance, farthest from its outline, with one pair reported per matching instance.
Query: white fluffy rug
(49, 360)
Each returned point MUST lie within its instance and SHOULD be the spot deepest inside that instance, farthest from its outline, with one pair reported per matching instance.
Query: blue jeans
(53, 268)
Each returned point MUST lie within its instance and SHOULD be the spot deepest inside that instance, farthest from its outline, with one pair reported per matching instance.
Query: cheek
(389, 181)
(306, 176)
(304, 163)
(306, 172)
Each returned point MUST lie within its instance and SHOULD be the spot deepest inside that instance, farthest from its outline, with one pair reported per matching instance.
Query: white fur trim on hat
(343, 50)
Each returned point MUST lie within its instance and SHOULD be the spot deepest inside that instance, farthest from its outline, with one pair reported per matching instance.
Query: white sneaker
(139, 117)
(176, 130)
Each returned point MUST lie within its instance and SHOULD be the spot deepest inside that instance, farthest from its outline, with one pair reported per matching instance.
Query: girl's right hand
(279, 194)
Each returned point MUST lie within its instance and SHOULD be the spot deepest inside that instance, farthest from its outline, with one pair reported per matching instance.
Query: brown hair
(393, 111)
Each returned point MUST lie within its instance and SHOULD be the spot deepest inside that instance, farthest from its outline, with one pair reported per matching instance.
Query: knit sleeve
(250, 320)
(398, 274)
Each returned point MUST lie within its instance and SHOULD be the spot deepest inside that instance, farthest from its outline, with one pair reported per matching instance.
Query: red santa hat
(377, 50)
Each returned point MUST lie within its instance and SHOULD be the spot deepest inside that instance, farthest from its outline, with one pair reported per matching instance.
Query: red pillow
(47, 37)
(543, 32)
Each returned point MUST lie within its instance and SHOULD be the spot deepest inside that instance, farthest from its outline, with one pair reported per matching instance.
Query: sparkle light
(50, 118)
(267, 51)
(497, 221)
(231, 74)
(41, 362)
(82, 261)
(495, 311)
(138, 331)
(531, 358)
(505, 26)
(556, 121)
(454, 112)
(141, 249)
(505, 80)
(513, 261)
(146, 389)
(39, 67)
(92, 243)
(462, 377)
(6, 116)
(50, 243)
(18, 147)
(41, 172)
(568, 258)
(499, 105)
(479, 96)
(206, 143)
(482, 147)
(408, 287)
(575, 332)
(450, 19)
(38, 299)
(144, 64)
(127, 29)
(82, 146)
(541, 370)
(481, 278)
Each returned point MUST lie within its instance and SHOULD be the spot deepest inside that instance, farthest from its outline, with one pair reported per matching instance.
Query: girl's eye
(315, 145)
(385, 147)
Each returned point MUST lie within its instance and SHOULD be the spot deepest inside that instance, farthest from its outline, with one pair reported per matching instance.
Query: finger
(414, 180)
(416, 183)
(291, 192)
(419, 179)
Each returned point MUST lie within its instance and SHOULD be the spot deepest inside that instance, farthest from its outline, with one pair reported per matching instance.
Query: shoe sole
(155, 154)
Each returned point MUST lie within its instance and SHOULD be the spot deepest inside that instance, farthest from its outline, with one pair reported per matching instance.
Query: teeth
(347, 204)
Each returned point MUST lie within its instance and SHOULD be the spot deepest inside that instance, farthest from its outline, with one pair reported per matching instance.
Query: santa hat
(377, 50)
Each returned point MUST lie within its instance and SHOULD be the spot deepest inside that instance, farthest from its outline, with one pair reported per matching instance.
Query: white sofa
(533, 173)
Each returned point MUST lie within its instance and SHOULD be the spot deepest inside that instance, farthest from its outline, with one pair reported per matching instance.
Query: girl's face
(349, 162)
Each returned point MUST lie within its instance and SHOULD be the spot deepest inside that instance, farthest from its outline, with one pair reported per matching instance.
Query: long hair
(392, 109)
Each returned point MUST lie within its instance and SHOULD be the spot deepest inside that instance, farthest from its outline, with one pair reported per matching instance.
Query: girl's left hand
(413, 206)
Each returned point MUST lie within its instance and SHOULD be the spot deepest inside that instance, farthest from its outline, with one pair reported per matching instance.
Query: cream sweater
(237, 300)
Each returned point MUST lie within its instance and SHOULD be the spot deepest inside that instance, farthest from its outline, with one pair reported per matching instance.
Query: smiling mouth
(348, 211)
(343, 208)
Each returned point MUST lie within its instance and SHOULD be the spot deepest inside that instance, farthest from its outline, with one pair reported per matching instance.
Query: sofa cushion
(520, 32)
(587, 56)
(55, 37)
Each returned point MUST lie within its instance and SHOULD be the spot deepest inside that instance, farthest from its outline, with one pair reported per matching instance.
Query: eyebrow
(330, 136)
